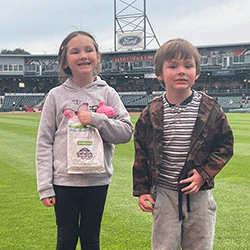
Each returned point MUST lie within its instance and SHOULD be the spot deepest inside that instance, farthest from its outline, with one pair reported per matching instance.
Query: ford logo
(130, 40)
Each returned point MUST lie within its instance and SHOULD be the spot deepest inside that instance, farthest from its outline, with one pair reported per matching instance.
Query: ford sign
(130, 40)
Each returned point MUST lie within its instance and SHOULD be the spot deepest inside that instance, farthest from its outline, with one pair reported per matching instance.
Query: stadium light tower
(132, 27)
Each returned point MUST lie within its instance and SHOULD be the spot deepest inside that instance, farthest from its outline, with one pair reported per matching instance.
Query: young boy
(182, 140)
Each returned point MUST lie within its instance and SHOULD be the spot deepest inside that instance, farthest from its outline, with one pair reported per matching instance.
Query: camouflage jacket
(210, 149)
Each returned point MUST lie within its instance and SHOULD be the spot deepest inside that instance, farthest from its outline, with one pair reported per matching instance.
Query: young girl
(78, 198)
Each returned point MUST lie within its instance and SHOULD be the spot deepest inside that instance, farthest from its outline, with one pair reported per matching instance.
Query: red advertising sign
(133, 58)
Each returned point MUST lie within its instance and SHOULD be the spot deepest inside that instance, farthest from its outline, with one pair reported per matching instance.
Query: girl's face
(82, 57)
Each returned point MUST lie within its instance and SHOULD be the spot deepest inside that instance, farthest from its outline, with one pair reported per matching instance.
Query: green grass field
(25, 224)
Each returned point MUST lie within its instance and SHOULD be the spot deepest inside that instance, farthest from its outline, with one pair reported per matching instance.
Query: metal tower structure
(132, 28)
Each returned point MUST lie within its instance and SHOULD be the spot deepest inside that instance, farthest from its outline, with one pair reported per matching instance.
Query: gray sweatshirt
(51, 154)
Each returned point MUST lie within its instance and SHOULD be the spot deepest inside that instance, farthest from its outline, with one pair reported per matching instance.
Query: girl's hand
(143, 203)
(49, 201)
(196, 182)
(84, 117)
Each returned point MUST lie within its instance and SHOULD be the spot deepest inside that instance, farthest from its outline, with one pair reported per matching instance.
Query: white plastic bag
(85, 149)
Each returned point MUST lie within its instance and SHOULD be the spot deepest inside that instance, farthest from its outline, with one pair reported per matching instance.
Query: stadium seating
(8, 102)
(126, 99)
(130, 100)
(140, 100)
(229, 101)
(20, 101)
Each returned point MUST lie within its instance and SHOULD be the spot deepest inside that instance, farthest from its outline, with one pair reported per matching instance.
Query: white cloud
(41, 25)
(221, 23)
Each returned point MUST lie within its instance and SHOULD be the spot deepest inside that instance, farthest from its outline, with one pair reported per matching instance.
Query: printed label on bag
(85, 149)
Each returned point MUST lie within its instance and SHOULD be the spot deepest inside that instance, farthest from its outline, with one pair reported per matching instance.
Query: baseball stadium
(26, 79)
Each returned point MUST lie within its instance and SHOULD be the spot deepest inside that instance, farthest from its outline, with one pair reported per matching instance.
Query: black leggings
(78, 214)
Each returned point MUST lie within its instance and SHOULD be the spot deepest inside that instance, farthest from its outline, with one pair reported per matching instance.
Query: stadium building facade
(225, 71)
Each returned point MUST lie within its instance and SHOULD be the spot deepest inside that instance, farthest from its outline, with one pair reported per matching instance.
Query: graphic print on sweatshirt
(101, 109)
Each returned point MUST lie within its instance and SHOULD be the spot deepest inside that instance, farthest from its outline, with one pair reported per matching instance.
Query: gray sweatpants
(194, 232)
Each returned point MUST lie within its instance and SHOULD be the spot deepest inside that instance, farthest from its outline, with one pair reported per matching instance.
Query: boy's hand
(143, 203)
(84, 117)
(196, 182)
(48, 202)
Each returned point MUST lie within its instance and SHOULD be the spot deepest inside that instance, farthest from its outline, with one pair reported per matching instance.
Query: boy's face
(179, 74)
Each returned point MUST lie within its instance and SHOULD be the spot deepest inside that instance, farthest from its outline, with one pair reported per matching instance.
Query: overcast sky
(39, 26)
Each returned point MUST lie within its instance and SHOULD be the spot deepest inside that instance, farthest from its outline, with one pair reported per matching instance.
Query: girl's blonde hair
(63, 73)
(176, 48)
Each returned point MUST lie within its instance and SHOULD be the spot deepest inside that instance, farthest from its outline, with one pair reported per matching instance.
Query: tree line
(15, 51)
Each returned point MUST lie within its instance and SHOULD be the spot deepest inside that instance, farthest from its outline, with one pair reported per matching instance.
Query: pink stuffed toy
(107, 110)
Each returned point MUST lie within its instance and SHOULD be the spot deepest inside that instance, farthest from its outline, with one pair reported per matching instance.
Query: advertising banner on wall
(127, 41)
(150, 75)
(223, 73)
(133, 58)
